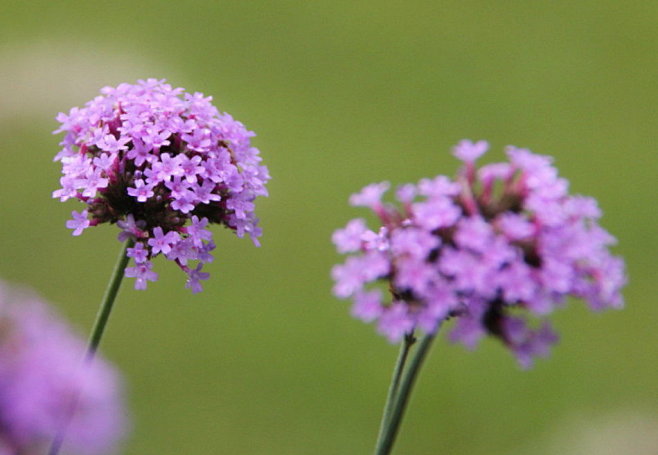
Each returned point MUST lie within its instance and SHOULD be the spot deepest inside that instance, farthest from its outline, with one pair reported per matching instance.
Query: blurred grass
(341, 94)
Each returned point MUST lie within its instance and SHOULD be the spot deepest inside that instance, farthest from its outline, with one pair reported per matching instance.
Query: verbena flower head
(493, 248)
(41, 372)
(162, 164)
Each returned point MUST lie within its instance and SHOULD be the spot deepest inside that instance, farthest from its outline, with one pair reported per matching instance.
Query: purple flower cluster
(41, 372)
(152, 158)
(484, 248)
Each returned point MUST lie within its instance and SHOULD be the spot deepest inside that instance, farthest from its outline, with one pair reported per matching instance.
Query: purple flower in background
(150, 158)
(483, 248)
(41, 372)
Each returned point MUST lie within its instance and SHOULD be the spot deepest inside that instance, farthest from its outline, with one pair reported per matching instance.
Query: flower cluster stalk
(400, 391)
(108, 301)
(405, 348)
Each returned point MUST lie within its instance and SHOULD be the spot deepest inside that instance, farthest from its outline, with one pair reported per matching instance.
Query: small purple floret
(370, 196)
(79, 223)
(195, 276)
(468, 151)
(142, 273)
(138, 253)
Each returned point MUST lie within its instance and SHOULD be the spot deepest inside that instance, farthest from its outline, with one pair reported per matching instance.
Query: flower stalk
(405, 348)
(394, 409)
(107, 303)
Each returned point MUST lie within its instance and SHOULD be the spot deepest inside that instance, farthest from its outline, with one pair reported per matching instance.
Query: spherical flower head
(41, 373)
(162, 164)
(496, 248)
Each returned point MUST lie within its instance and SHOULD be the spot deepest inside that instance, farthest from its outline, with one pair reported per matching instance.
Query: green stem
(405, 347)
(95, 338)
(387, 438)
(108, 301)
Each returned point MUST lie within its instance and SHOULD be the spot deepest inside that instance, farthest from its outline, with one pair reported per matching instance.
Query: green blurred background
(341, 94)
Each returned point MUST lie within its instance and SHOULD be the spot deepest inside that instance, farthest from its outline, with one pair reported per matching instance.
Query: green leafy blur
(341, 94)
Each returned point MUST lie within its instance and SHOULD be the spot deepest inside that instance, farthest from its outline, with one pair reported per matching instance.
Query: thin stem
(95, 338)
(108, 301)
(386, 440)
(405, 347)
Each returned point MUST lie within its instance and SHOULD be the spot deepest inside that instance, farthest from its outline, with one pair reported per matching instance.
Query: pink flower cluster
(485, 247)
(152, 158)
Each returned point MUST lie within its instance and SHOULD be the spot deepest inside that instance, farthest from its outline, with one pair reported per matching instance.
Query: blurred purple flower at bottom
(41, 371)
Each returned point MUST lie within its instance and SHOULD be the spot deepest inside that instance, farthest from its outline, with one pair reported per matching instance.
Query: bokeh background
(341, 94)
